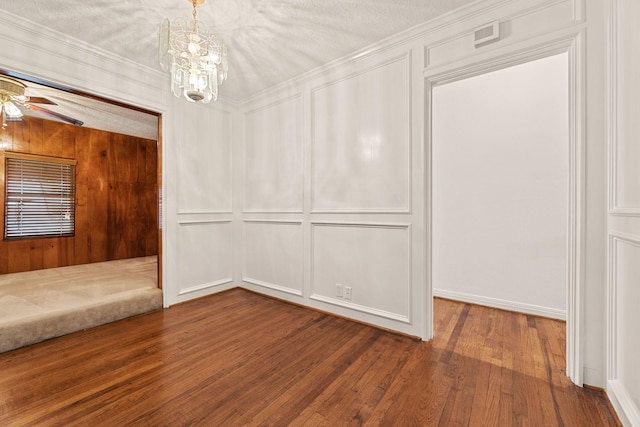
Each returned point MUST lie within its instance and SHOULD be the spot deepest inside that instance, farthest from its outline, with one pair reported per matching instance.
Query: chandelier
(11, 90)
(195, 58)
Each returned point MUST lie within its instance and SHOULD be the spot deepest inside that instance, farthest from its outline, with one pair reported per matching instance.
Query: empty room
(234, 212)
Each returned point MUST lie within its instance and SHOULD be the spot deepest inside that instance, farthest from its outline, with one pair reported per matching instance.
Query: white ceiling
(270, 41)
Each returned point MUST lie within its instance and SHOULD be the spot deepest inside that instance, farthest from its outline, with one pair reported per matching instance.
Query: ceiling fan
(12, 98)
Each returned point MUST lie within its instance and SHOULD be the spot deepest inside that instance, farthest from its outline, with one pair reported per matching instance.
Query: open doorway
(500, 188)
(105, 262)
(115, 178)
(502, 211)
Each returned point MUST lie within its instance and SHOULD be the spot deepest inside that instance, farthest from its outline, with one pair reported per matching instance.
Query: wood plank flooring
(238, 358)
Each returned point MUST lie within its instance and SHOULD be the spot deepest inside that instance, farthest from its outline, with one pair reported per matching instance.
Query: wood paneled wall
(116, 196)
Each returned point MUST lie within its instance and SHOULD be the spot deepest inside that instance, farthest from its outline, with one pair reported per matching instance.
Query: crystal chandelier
(196, 59)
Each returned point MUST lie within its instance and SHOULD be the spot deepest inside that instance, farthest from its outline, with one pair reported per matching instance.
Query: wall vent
(486, 33)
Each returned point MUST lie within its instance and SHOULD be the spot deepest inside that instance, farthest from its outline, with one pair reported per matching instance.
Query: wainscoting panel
(361, 141)
(205, 255)
(273, 255)
(204, 159)
(273, 157)
(371, 259)
(624, 295)
(623, 222)
(624, 150)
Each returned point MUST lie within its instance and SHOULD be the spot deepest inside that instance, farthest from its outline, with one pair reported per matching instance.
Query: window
(39, 196)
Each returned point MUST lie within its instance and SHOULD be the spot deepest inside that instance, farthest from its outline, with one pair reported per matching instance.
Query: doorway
(503, 202)
(500, 188)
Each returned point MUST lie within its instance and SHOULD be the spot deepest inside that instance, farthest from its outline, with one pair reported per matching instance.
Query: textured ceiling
(270, 41)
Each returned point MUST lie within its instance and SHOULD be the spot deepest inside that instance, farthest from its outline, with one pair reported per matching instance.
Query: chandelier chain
(195, 14)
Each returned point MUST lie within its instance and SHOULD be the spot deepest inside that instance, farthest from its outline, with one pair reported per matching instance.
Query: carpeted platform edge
(30, 330)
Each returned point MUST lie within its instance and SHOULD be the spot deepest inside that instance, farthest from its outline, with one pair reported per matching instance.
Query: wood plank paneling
(239, 358)
(116, 196)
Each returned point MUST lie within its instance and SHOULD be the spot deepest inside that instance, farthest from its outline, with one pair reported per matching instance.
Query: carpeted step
(41, 326)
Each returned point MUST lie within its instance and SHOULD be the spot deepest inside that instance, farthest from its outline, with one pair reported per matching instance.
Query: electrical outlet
(339, 290)
(347, 292)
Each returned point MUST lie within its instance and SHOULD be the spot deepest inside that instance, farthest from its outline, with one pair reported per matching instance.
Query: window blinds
(39, 196)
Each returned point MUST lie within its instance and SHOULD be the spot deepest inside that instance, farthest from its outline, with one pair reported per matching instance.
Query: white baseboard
(537, 310)
(625, 407)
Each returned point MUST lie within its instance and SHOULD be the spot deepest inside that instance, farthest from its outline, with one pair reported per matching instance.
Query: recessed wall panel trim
(273, 156)
(204, 221)
(205, 254)
(203, 212)
(273, 221)
(374, 149)
(204, 158)
(615, 126)
(615, 378)
(272, 256)
(372, 258)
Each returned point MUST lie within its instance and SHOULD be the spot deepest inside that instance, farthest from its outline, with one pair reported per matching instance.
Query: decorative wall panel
(204, 159)
(205, 254)
(361, 141)
(623, 222)
(625, 150)
(273, 255)
(371, 259)
(273, 157)
(626, 294)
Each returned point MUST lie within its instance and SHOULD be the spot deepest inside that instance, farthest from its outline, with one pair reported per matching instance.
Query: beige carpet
(43, 304)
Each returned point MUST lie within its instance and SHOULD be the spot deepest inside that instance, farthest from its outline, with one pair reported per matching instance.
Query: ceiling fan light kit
(11, 90)
(196, 59)
(12, 98)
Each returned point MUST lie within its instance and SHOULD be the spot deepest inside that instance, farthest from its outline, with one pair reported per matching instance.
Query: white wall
(199, 234)
(623, 296)
(326, 182)
(500, 191)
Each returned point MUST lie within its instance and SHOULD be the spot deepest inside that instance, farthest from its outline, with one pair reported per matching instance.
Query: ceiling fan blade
(54, 114)
(40, 100)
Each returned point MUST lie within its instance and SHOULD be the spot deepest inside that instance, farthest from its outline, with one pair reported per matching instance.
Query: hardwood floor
(238, 358)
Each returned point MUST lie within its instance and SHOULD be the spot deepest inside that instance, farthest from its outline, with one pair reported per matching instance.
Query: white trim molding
(615, 207)
(626, 409)
(272, 286)
(361, 308)
(502, 304)
(568, 40)
(203, 221)
(405, 55)
(204, 286)
(354, 306)
(263, 283)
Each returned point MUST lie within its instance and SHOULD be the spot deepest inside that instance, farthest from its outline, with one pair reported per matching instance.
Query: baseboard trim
(626, 409)
(502, 304)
